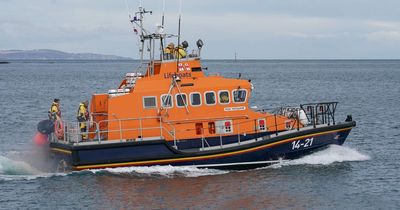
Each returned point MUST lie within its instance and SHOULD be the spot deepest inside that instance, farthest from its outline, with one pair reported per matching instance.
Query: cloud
(289, 29)
(384, 36)
(383, 31)
(270, 25)
(383, 24)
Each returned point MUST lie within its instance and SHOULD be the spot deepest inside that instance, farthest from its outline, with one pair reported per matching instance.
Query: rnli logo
(184, 71)
(183, 67)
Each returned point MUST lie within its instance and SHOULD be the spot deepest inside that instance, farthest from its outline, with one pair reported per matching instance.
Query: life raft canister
(40, 139)
(59, 129)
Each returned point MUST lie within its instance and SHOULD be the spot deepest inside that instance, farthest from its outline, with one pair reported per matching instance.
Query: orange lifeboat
(170, 112)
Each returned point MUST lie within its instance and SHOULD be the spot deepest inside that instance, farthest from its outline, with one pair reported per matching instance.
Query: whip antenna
(179, 23)
(163, 13)
(162, 26)
(179, 34)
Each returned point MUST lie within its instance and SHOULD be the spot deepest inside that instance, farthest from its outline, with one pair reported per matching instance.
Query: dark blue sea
(362, 174)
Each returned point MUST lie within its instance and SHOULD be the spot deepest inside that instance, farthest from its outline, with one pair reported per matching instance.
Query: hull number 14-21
(302, 143)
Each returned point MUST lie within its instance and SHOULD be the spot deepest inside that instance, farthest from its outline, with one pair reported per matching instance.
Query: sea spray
(165, 171)
(332, 154)
(16, 167)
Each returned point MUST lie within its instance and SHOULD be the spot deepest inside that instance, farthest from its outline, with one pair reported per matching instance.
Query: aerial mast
(162, 28)
(179, 34)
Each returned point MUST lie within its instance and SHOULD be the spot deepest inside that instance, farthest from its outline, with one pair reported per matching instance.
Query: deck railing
(320, 113)
(315, 115)
(73, 134)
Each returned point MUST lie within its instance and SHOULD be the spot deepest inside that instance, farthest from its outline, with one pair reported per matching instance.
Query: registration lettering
(302, 143)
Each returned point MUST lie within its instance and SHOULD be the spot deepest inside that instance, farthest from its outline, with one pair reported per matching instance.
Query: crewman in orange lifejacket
(83, 117)
(169, 52)
(55, 111)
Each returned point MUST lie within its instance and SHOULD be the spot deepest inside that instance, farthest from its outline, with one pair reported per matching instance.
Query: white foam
(14, 167)
(332, 154)
(168, 171)
(29, 177)
(19, 170)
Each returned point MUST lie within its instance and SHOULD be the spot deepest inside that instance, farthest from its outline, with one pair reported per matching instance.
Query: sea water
(361, 174)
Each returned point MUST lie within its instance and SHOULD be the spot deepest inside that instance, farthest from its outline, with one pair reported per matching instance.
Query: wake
(166, 171)
(18, 169)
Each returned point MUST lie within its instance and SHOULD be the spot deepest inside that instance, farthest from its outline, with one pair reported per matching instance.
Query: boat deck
(239, 143)
(205, 146)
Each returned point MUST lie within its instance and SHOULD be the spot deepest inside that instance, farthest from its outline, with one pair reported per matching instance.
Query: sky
(254, 29)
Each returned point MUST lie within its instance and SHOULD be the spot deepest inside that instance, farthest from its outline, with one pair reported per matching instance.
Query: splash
(165, 171)
(14, 167)
(332, 154)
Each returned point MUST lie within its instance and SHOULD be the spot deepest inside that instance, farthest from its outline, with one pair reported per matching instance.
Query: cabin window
(149, 102)
(239, 96)
(199, 128)
(211, 127)
(223, 97)
(210, 98)
(166, 101)
(195, 99)
(181, 100)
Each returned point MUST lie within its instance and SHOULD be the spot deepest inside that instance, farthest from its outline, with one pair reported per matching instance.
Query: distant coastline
(46, 54)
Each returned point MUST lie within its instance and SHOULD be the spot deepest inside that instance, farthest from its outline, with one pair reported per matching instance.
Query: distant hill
(45, 54)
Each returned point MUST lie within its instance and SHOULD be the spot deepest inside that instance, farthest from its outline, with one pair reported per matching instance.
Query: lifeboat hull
(249, 154)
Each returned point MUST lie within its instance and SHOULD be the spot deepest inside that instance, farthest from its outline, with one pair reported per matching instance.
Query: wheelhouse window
(195, 99)
(149, 102)
(223, 97)
(166, 101)
(210, 98)
(181, 100)
(239, 96)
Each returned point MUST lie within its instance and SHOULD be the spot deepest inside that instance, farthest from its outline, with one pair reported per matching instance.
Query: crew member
(180, 52)
(54, 111)
(83, 116)
(169, 51)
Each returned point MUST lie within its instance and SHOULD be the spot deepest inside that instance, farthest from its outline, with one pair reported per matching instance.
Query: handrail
(72, 133)
(208, 119)
(323, 111)
(98, 131)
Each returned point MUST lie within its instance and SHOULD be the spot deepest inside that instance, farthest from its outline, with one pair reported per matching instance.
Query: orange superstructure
(178, 101)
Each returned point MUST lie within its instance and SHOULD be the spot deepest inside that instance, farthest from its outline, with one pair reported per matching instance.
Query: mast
(144, 35)
(235, 56)
(148, 37)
